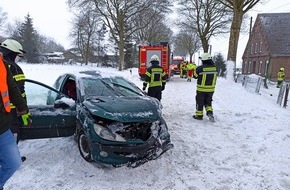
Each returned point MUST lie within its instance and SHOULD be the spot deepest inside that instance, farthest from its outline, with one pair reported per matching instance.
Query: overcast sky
(52, 18)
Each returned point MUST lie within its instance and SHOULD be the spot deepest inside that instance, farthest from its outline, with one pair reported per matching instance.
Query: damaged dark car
(113, 121)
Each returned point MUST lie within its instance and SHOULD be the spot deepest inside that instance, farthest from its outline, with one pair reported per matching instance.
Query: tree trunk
(190, 57)
(121, 54)
(234, 35)
(204, 43)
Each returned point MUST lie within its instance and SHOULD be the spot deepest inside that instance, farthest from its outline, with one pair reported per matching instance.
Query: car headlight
(107, 134)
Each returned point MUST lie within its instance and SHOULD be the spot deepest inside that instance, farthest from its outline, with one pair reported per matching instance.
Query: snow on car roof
(94, 73)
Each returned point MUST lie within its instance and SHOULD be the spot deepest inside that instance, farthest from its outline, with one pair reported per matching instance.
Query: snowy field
(247, 148)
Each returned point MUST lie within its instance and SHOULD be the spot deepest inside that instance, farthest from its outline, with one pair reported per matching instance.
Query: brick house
(268, 47)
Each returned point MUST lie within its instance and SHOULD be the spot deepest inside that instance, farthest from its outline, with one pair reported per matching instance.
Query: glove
(144, 88)
(26, 118)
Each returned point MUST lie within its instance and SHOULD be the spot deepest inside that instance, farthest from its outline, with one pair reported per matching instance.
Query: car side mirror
(64, 103)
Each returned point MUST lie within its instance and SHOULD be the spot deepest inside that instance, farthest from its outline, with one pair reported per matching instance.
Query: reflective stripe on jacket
(18, 77)
(155, 76)
(280, 75)
(206, 76)
(4, 86)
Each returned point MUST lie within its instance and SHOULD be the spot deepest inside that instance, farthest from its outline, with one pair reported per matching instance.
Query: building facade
(268, 47)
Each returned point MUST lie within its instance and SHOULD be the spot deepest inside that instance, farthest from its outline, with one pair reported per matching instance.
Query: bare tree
(207, 18)
(155, 29)
(3, 18)
(239, 8)
(86, 25)
(119, 16)
(187, 42)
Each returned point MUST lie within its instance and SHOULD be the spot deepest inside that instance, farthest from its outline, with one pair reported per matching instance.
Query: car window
(109, 87)
(58, 82)
(96, 87)
(127, 88)
(39, 95)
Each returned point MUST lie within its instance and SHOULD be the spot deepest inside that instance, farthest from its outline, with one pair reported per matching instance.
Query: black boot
(210, 116)
(197, 117)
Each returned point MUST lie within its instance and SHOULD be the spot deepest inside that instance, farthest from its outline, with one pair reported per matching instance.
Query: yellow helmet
(282, 69)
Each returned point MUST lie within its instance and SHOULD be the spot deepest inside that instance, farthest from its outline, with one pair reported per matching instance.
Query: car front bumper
(131, 155)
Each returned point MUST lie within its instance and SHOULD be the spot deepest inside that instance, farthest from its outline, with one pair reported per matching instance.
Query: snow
(248, 147)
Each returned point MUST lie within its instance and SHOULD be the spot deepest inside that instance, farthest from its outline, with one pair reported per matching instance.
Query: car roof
(93, 74)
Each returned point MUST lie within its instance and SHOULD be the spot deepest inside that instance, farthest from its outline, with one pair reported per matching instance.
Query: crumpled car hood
(124, 109)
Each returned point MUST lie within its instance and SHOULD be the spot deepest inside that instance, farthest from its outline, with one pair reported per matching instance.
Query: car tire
(84, 147)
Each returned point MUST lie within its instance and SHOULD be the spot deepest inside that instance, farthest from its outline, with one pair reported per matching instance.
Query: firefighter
(206, 75)
(11, 49)
(183, 69)
(10, 159)
(156, 78)
(281, 77)
(190, 69)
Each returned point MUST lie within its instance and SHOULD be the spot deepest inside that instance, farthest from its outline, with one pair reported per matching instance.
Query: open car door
(53, 114)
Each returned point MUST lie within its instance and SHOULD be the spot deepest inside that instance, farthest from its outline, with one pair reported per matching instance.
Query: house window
(260, 67)
(261, 43)
(252, 48)
(266, 68)
(254, 67)
(256, 48)
(249, 67)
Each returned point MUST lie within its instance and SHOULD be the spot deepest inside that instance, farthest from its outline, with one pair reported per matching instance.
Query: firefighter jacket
(190, 66)
(206, 76)
(155, 76)
(280, 75)
(18, 76)
(13, 95)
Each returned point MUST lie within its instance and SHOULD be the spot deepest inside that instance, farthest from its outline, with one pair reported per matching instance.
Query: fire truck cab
(162, 50)
(175, 65)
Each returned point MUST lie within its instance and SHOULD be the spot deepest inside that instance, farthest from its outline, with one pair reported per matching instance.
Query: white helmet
(154, 58)
(13, 45)
(205, 56)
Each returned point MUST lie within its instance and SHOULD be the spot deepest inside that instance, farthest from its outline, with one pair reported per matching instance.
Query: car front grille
(135, 131)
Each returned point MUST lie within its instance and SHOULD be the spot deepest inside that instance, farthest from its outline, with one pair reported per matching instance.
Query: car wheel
(84, 147)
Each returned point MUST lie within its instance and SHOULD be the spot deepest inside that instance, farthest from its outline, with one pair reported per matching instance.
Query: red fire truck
(162, 50)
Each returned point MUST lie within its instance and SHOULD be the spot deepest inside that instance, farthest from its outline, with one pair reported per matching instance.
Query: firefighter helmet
(13, 45)
(282, 69)
(205, 56)
(154, 58)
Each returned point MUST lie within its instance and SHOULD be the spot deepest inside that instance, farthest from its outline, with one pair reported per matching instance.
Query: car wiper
(111, 88)
(127, 88)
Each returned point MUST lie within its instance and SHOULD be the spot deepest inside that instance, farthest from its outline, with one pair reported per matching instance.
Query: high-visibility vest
(4, 86)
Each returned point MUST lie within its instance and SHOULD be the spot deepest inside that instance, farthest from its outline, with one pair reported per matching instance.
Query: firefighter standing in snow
(10, 159)
(206, 76)
(190, 69)
(281, 77)
(156, 78)
(11, 49)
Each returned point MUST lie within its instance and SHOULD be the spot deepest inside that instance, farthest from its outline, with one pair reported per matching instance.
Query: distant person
(206, 75)
(156, 78)
(190, 69)
(183, 69)
(10, 159)
(130, 71)
(11, 49)
(281, 77)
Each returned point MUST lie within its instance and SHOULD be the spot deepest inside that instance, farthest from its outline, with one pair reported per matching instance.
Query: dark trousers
(203, 99)
(279, 83)
(155, 92)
